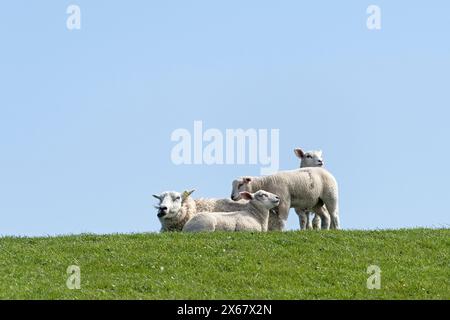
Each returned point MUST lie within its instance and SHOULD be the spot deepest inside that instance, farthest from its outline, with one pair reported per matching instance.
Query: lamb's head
(170, 203)
(309, 158)
(262, 198)
(240, 185)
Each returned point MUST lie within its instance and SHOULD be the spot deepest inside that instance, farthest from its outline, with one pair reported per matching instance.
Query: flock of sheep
(259, 203)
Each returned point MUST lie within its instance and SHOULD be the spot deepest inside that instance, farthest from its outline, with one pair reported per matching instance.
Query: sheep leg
(326, 211)
(283, 212)
(324, 216)
(309, 225)
(333, 210)
(317, 222)
(273, 223)
(303, 218)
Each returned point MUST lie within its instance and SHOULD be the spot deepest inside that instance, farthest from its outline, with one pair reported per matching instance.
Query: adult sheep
(175, 208)
(254, 218)
(305, 188)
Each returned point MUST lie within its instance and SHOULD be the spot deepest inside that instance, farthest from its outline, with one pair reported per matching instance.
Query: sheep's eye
(178, 198)
(264, 195)
(309, 156)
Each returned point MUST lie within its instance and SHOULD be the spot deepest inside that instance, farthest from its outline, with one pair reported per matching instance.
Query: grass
(415, 264)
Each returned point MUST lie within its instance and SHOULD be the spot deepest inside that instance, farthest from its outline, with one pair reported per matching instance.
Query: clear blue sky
(86, 115)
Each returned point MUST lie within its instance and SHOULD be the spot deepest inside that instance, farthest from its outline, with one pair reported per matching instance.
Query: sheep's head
(262, 198)
(170, 203)
(309, 158)
(239, 185)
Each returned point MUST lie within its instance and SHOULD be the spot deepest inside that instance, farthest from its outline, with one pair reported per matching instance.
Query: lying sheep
(305, 188)
(219, 205)
(175, 209)
(254, 218)
(309, 159)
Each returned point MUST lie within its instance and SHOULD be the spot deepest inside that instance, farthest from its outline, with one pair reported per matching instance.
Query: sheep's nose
(163, 208)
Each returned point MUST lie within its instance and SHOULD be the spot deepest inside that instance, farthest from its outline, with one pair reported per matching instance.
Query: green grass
(415, 264)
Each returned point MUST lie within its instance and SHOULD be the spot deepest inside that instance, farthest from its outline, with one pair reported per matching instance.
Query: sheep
(175, 209)
(309, 159)
(219, 205)
(254, 218)
(305, 188)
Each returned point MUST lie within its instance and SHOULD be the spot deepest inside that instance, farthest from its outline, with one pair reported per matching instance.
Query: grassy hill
(415, 264)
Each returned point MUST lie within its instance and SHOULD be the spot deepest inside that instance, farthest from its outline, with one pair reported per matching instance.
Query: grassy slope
(291, 265)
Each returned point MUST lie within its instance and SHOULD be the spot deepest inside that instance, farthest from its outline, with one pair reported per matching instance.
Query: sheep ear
(187, 194)
(156, 196)
(246, 195)
(299, 153)
(247, 180)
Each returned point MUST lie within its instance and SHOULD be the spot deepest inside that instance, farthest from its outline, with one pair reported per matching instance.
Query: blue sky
(86, 115)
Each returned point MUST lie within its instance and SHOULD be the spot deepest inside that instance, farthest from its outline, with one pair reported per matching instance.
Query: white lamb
(309, 159)
(175, 208)
(254, 218)
(305, 188)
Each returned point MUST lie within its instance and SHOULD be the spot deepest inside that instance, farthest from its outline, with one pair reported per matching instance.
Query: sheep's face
(310, 158)
(240, 185)
(266, 199)
(170, 203)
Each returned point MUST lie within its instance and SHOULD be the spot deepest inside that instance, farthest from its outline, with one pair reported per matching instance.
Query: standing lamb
(254, 218)
(305, 188)
(175, 208)
(309, 159)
